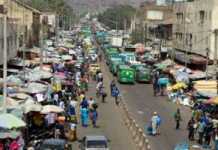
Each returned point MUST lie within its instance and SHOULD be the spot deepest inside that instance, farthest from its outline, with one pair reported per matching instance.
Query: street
(110, 123)
(142, 104)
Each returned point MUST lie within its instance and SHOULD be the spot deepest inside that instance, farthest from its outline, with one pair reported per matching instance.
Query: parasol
(51, 109)
(32, 107)
(66, 57)
(9, 134)
(34, 88)
(8, 121)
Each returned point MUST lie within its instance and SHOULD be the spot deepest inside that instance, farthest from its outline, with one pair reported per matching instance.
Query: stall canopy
(8, 121)
(9, 134)
(51, 109)
(213, 101)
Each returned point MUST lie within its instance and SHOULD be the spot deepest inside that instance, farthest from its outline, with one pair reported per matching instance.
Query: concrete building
(194, 26)
(157, 21)
(49, 23)
(23, 26)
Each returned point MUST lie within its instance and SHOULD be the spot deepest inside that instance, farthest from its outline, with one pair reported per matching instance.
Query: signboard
(155, 15)
(116, 41)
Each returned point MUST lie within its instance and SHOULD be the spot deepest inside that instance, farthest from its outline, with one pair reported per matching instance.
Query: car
(54, 144)
(94, 142)
(93, 68)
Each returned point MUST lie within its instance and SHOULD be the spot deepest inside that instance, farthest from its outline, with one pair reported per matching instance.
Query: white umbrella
(34, 88)
(9, 121)
(51, 109)
(32, 107)
(66, 57)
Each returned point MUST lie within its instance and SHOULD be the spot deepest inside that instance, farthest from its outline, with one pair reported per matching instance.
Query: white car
(94, 142)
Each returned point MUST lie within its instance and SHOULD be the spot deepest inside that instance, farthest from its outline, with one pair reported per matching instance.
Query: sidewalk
(110, 122)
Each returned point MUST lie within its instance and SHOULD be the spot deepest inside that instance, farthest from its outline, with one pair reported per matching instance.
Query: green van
(142, 72)
(114, 65)
(126, 74)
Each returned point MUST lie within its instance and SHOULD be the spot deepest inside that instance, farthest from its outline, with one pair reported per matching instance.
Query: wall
(201, 30)
(11, 38)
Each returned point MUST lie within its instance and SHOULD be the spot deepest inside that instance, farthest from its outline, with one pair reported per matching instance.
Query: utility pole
(5, 60)
(215, 56)
(207, 54)
(23, 44)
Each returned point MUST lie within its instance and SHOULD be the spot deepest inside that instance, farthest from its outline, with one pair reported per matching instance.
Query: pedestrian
(155, 87)
(84, 113)
(112, 85)
(94, 117)
(216, 138)
(208, 133)
(91, 101)
(100, 77)
(191, 129)
(20, 142)
(154, 123)
(99, 57)
(178, 118)
(62, 104)
(115, 94)
(56, 99)
(99, 87)
(155, 82)
(14, 145)
(201, 129)
(84, 103)
(71, 111)
(103, 94)
(50, 120)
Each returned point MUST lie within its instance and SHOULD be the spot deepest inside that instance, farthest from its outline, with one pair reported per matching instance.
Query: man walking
(112, 85)
(115, 94)
(154, 123)
(155, 82)
(177, 117)
(191, 129)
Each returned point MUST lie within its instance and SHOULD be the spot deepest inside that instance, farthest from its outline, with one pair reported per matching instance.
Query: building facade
(158, 21)
(194, 27)
(23, 26)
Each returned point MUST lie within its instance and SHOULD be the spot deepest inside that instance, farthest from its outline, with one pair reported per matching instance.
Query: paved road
(110, 124)
(142, 104)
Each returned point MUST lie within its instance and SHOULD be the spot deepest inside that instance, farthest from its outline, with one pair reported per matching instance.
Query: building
(23, 26)
(49, 23)
(157, 21)
(194, 27)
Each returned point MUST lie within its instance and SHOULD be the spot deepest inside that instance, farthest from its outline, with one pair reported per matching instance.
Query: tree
(117, 16)
(58, 6)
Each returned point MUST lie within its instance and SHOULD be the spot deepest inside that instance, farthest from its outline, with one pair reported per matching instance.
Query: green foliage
(117, 16)
(58, 6)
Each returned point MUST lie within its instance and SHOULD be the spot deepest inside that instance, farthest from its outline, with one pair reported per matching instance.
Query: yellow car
(93, 68)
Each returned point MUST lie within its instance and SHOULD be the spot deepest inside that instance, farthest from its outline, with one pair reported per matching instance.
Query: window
(202, 16)
(210, 15)
(179, 17)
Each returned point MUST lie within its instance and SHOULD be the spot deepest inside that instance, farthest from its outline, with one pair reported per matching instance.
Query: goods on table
(206, 88)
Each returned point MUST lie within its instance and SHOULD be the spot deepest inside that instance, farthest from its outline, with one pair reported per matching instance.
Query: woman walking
(84, 112)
